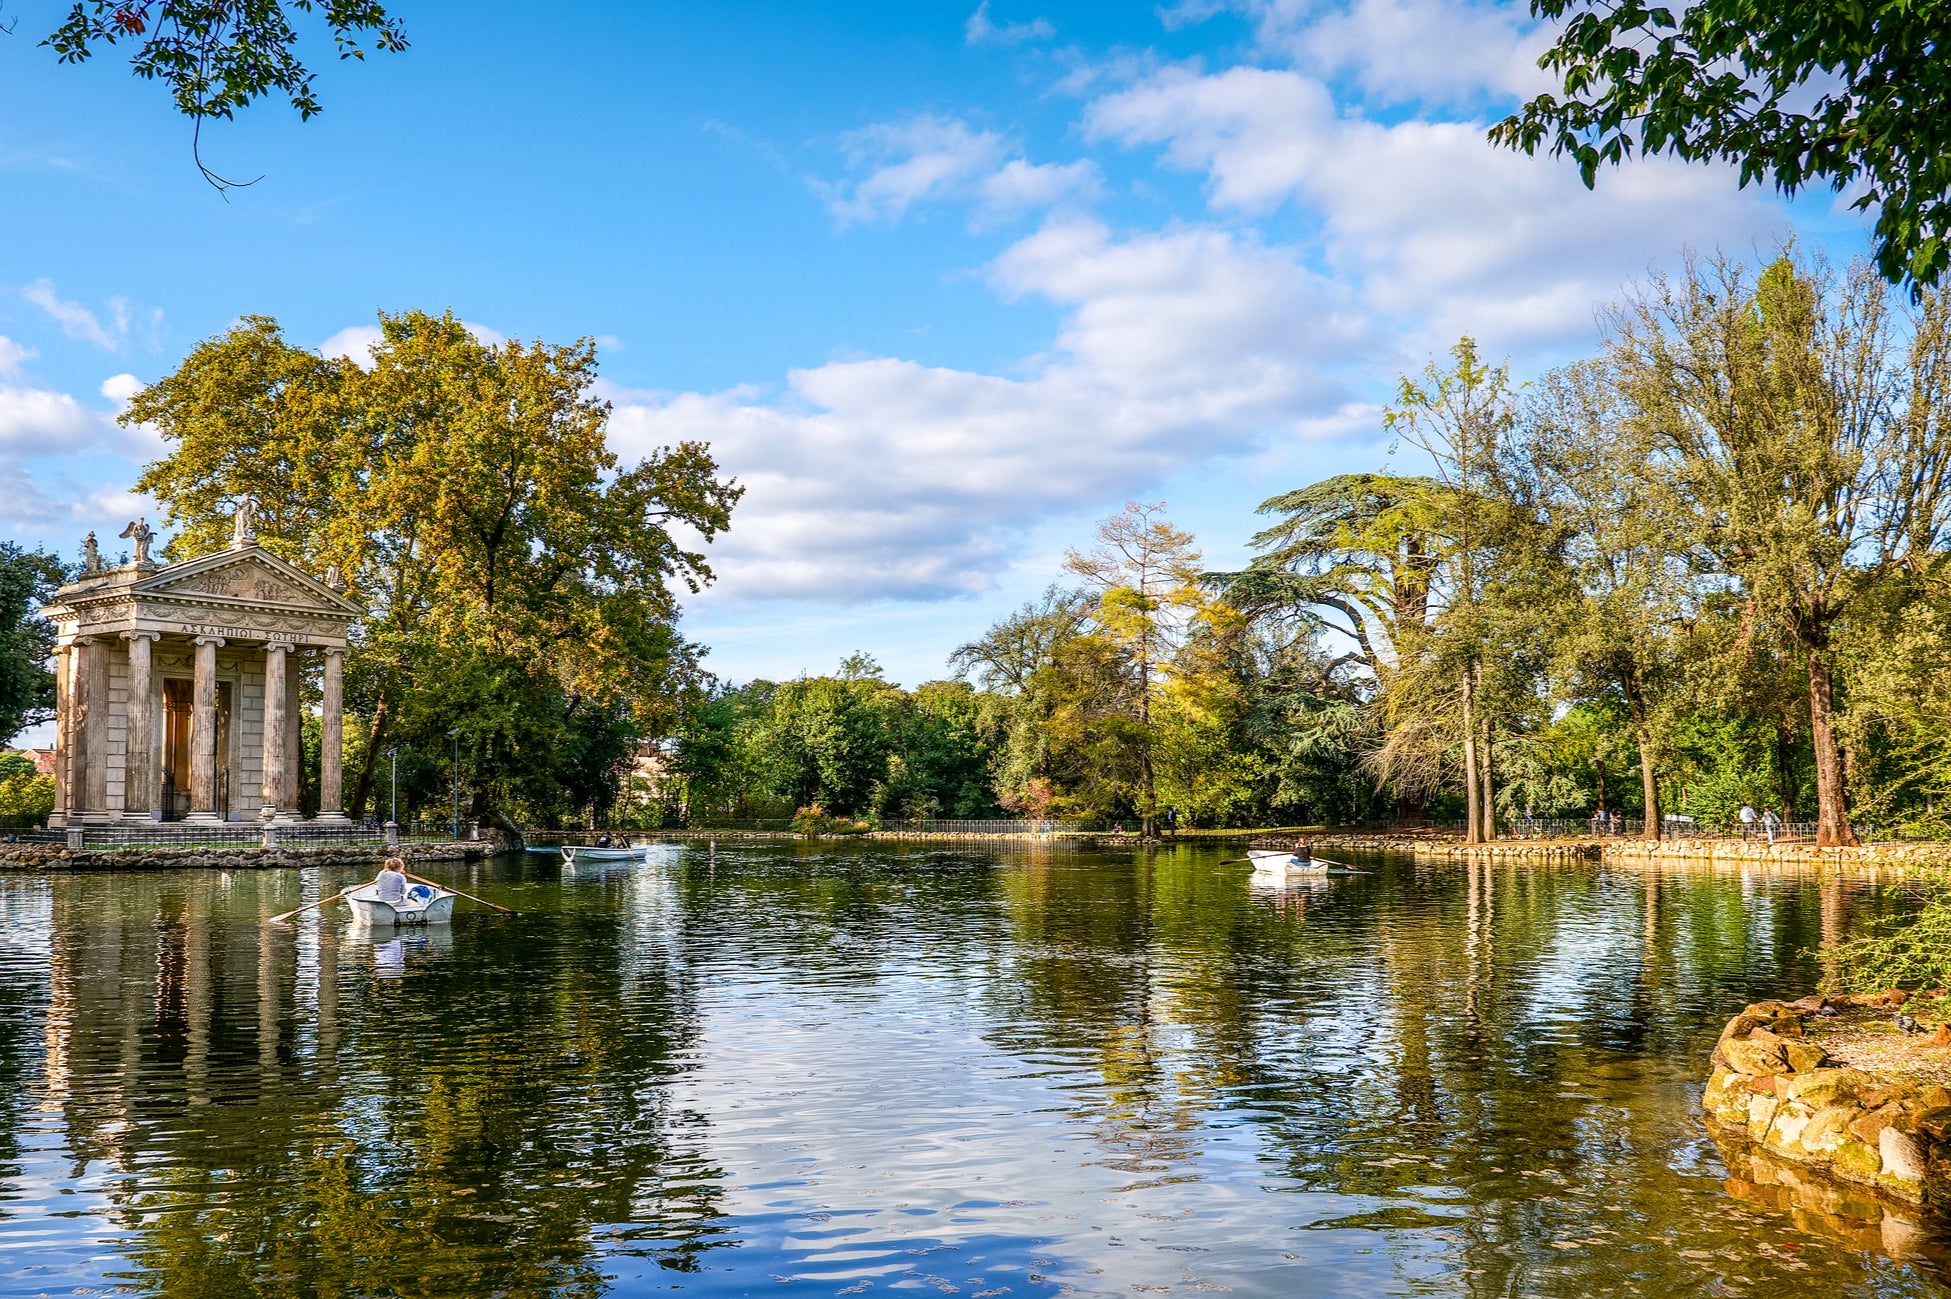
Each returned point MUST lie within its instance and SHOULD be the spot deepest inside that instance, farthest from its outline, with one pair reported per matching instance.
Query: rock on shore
(1783, 1091)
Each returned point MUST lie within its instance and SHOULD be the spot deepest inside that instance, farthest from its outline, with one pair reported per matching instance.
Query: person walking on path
(1616, 827)
(1747, 821)
(1771, 823)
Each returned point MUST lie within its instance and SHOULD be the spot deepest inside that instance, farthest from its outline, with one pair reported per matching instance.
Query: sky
(942, 284)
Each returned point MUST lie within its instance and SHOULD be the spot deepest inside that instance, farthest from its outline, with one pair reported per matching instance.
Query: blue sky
(942, 284)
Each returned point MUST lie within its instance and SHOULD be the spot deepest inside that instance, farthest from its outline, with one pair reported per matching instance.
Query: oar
(451, 889)
(308, 906)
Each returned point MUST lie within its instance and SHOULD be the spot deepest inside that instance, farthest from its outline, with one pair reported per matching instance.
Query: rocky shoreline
(1753, 852)
(55, 857)
(1790, 1077)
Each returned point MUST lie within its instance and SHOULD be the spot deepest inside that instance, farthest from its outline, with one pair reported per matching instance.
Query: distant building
(44, 759)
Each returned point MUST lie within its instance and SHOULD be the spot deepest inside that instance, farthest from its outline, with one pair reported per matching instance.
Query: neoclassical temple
(177, 687)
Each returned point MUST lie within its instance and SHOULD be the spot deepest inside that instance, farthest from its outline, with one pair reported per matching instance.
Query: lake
(822, 1069)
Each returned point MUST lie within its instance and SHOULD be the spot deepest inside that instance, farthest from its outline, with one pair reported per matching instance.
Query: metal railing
(980, 825)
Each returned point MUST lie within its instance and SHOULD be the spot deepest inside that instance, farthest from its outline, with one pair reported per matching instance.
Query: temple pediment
(250, 577)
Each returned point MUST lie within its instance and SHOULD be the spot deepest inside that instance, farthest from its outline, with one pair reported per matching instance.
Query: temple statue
(141, 534)
(244, 533)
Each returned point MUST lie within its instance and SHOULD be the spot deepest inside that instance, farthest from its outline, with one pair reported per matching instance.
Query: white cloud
(1429, 219)
(121, 388)
(77, 321)
(356, 342)
(981, 29)
(13, 355)
(1020, 184)
(40, 420)
(888, 478)
(1456, 53)
(930, 159)
(924, 157)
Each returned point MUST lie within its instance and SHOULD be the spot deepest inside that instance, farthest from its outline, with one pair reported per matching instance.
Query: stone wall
(1774, 1087)
(49, 856)
(1732, 851)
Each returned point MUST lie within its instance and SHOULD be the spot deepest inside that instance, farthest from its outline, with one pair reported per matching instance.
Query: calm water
(789, 1070)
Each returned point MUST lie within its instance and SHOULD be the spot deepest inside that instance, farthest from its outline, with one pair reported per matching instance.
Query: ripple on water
(838, 1070)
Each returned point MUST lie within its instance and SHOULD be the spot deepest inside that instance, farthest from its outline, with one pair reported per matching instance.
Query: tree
(1009, 653)
(218, 57)
(1804, 424)
(518, 579)
(1797, 92)
(829, 741)
(1145, 575)
(27, 579)
(1354, 552)
(1627, 553)
(1460, 416)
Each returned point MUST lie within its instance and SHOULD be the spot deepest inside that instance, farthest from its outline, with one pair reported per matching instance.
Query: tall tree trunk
(1649, 786)
(1147, 782)
(1832, 795)
(1472, 827)
(368, 761)
(1487, 805)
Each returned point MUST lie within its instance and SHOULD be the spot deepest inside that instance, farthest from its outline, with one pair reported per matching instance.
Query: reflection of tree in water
(1470, 1051)
(495, 1122)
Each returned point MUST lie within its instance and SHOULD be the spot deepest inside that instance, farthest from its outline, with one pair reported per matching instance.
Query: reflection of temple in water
(248, 1083)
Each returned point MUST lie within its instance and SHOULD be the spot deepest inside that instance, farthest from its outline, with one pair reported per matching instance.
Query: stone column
(331, 739)
(277, 728)
(203, 732)
(64, 703)
(290, 798)
(141, 771)
(94, 693)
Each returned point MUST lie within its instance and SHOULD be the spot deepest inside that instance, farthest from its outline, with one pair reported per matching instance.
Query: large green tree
(27, 579)
(518, 578)
(1803, 423)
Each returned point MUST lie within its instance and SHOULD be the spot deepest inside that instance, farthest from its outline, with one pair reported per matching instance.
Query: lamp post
(455, 735)
(393, 755)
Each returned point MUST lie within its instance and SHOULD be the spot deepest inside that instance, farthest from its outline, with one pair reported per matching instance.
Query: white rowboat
(1279, 861)
(574, 853)
(423, 904)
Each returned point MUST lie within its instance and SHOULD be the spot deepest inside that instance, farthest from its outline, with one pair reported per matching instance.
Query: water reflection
(827, 1070)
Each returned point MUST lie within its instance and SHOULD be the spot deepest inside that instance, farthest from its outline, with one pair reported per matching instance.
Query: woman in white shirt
(391, 884)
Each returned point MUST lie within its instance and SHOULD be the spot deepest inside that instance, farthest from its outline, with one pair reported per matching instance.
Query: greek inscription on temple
(239, 633)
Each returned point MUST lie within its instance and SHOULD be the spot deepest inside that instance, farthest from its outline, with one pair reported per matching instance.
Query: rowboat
(575, 853)
(1281, 861)
(424, 904)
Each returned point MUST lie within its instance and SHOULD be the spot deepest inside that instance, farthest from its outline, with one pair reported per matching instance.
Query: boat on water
(577, 852)
(424, 904)
(1282, 861)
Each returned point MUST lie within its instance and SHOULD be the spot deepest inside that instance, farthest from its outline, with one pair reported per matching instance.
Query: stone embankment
(1731, 851)
(53, 857)
(1788, 1077)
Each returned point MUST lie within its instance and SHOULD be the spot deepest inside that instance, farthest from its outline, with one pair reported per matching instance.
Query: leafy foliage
(518, 578)
(1910, 950)
(217, 58)
(1793, 92)
(27, 578)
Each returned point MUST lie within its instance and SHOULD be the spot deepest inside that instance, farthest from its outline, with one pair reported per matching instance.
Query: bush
(1909, 951)
(815, 821)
